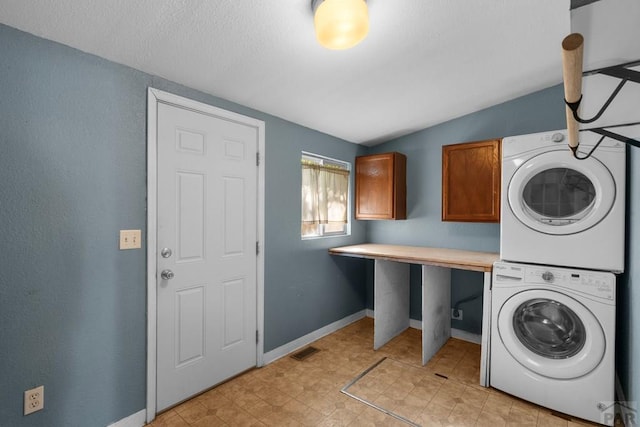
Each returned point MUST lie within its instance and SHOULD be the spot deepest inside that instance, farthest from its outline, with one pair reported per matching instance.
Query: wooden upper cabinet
(381, 186)
(471, 181)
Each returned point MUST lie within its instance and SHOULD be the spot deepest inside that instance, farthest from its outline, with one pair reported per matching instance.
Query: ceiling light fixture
(340, 24)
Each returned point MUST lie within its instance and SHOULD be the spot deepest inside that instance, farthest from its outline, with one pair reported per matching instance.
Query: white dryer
(553, 338)
(557, 210)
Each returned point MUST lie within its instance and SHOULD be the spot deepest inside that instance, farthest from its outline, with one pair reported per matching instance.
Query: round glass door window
(549, 328)
(558, 196)
(550, 333)
(555, 194)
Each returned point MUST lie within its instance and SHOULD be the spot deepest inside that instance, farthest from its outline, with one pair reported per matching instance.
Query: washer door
(551, 334)
(553, 193)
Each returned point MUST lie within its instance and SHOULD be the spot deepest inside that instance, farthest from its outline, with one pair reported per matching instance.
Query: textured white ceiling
(423, 62)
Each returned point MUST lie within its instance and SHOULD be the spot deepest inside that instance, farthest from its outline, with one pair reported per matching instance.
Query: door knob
(165, 252)
(167, 274)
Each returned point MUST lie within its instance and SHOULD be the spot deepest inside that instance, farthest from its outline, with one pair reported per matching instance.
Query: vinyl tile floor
(289, 392)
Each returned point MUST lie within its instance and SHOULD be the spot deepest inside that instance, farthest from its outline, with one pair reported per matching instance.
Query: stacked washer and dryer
(562, 238)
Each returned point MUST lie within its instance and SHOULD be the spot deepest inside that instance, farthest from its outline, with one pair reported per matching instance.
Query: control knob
(547, 276)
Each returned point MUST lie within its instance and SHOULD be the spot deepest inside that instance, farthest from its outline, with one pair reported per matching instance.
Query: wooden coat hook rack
(572, 55)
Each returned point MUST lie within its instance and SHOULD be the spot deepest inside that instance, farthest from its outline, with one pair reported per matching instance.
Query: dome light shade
(340, 24)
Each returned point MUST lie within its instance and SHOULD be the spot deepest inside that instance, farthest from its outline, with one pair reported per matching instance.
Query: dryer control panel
(596, 283)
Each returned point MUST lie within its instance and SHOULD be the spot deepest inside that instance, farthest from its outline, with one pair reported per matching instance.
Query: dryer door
(551, 334)
(554, 193)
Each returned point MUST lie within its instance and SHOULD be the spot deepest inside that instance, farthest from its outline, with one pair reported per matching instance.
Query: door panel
(233, 321)
(191, 201)
(189, 325)
(207, 215)
(234, 216)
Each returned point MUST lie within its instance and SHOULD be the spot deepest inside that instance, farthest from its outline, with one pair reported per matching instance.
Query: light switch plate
(130, 239)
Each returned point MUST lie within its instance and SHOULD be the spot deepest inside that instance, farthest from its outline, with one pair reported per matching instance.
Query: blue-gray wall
(72, 173)
(72, 307)
(538, 112)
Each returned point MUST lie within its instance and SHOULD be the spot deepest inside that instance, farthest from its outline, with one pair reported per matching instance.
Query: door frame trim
(154, 97)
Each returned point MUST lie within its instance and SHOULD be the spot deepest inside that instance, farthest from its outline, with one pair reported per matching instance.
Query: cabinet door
(381, 186)
(471, 181)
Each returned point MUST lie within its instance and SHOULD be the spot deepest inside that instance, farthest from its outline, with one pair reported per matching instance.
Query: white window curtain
(325, 193)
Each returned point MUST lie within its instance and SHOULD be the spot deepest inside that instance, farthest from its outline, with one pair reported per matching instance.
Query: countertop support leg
(390, 301)
(486, 331)
(436, 312)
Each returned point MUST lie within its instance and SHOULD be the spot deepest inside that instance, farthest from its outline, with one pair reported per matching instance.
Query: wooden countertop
(451, 258)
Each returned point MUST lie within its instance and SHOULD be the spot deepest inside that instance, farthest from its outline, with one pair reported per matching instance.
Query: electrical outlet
(130, 239)
(454, 312)
(34, 400)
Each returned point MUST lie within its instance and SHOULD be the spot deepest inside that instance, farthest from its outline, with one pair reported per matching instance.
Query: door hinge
(257, 248)
(257, 337)
(258, 159)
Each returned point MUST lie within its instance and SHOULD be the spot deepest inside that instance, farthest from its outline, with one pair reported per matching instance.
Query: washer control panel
(548, 276)
(595, 283)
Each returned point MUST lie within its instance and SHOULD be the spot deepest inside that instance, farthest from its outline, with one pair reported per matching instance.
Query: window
(325, 196)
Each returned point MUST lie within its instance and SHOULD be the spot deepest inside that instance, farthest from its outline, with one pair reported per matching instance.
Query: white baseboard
(135, 420)
(415, 324)
(466, 336)
(294, 345)
(455, 333)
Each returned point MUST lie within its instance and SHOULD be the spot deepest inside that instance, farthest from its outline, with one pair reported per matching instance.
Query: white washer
(553, 338)
(557, 210)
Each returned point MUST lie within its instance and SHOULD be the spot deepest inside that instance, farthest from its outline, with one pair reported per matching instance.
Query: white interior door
(206, 240)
